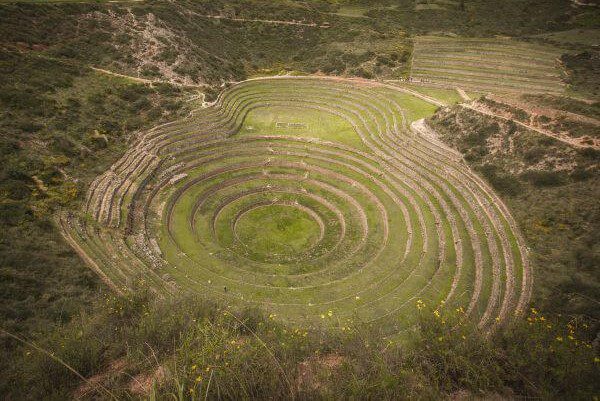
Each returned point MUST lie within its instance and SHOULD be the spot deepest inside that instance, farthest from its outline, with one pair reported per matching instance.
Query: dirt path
(265, 21)
(144, 80)
(63, 222)
(116, 74)
(463, 94)
(569, 141)
(537, 110)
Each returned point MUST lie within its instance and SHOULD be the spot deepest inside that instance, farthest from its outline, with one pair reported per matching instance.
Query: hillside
(551, 187)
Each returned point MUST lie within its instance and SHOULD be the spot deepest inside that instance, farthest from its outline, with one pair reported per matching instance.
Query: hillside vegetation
(137, 348)
(552, 189)
(60, 125)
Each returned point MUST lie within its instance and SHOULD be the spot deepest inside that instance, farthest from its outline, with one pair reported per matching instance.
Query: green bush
(502, 182)
(541, 178)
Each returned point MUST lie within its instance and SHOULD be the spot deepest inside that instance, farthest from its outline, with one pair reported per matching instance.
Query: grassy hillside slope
(60, 124)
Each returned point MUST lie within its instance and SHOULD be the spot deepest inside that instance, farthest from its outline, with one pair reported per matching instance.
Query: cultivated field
(494, 65)
(312, 198)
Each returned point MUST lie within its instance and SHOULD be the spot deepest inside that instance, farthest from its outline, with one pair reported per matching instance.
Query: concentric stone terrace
(311, 198)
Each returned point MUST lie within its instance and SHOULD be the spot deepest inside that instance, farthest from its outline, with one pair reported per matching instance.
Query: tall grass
(191, 349)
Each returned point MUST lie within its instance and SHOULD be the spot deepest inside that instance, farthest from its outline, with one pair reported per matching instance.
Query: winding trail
(145, 80)
(265, 21)
(463, 94)
(563, 138)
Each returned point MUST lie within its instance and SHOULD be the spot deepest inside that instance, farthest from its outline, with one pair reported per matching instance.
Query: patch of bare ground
(92, 384)
(464, 395)
(314, 373)
(149, 40)
(142, 383)
(266, 21)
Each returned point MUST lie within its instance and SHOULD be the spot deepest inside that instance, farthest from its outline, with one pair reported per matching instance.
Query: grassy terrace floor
(497, 65)
(311, 198)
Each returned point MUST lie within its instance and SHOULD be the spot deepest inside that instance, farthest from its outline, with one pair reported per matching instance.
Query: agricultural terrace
(491, 64)
(424, 5)
(312, 198)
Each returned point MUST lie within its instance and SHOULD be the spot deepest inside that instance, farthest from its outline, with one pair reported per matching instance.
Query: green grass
(312, 124)
(277, 230)
(449, 96)
(212, 351)
(62, 124)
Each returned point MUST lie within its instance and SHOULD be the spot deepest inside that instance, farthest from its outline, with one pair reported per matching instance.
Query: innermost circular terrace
(278, 232)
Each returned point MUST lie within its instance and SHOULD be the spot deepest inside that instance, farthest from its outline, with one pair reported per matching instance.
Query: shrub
(534, 155)
(504, 183)
(590, 153)
(361, 72)
(544, 178)
(581, 174)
